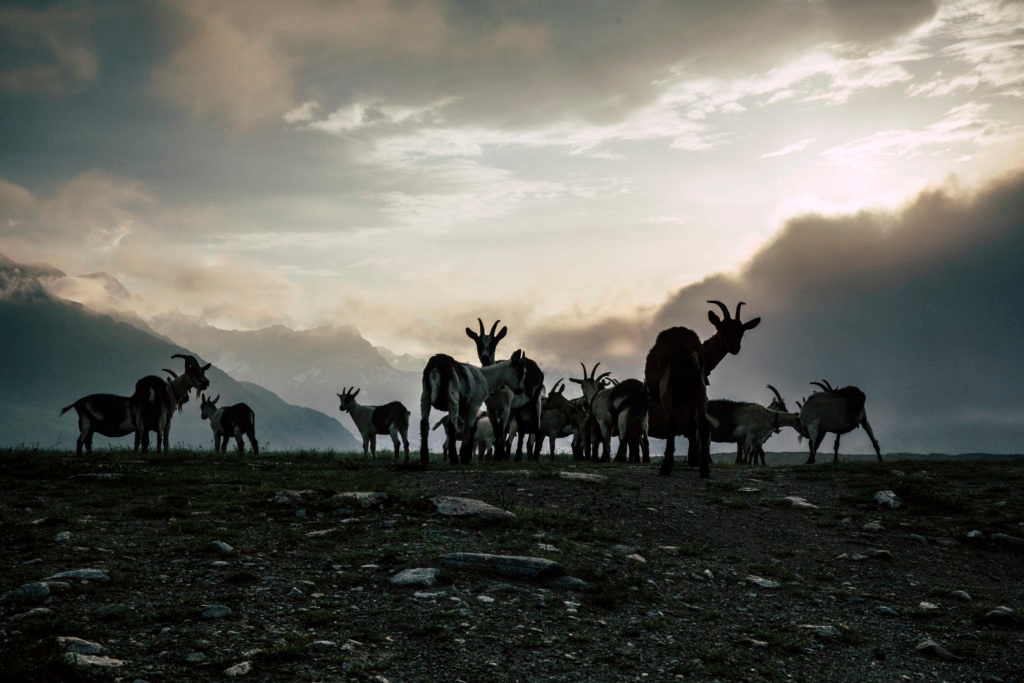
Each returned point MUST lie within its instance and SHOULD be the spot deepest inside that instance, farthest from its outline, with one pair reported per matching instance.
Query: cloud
(789, 149)
(47, 50)
(918, 307)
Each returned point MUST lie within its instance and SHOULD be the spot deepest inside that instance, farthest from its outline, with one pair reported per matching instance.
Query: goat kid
(460, 389)
(229, 421)
(391, 418)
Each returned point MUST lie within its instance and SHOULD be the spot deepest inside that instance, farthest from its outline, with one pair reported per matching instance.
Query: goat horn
(737, 316)
(725, 311)
(594, 371)
(481, 326)
(776, 392)
(603, 375)
(493, 327)
(584, 369)
(828, 385)
(170, 372)
(820, 386)
(189, 359)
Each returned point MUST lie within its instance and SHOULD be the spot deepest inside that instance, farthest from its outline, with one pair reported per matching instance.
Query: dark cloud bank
(920, 308)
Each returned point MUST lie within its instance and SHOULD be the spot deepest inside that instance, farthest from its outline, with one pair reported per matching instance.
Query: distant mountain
(305, 367)
(54, 352)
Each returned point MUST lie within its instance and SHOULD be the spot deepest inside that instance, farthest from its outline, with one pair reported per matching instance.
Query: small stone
(216, 612)
(930, 648)
(918, 538)
(798, 502)
(295, 593)
(888, 499)
(874, 526)
(822, 631)
(974, 533)
(583, 476)
(219, 547)
(961, 595)
(78, 645)
(1001, 615)
(195, 657)
(62, 537)
(37, 591)
(240, 669)
(927, 606)
(886, 611)
(763, 582)
(92, 660)
(82, 574)
(419, 576)
(1007, 538)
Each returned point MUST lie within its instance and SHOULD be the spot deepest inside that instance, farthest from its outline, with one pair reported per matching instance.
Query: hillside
(54, 352)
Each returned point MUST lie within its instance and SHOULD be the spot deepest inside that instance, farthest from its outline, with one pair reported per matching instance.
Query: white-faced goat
(229, 422)
(676, 374)
(155, 398)
(748, 425)
(391, 418)
(460, 389)
(505, 406)
(834, 410)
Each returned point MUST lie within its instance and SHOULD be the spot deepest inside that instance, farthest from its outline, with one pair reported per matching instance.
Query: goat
(748, 425)
(391, 418)
(110, 415)
(728, 424)
(106, 414)
(834, 410)
(561, 417)
(505, 406)
(590, 434)
(229, 421)
(184, 399)
(460, 389)
(676, 375)
(622, 409)
(483, 436)
(152, 405)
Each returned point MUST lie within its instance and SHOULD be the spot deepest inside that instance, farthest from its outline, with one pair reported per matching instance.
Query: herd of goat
(489, 406)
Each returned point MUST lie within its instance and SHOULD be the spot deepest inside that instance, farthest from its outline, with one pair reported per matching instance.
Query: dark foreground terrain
(194, 567)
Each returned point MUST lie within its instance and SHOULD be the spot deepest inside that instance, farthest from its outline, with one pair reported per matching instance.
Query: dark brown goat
(676, 373)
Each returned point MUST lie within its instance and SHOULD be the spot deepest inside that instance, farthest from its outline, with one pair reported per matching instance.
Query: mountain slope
(54, 352)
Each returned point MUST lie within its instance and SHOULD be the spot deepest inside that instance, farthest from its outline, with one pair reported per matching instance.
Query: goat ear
(206, 367)
(751, 324)
(577, 381)
(501, 334)
(472, 335)
(356, 392)
(517, 356)
(715, 320)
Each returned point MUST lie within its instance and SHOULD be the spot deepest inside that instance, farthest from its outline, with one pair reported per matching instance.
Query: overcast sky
(407, 167)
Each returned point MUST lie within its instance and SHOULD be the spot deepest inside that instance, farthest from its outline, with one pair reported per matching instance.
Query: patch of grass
(772, 570)
(786, 640)
(932, 497)
(292, 647)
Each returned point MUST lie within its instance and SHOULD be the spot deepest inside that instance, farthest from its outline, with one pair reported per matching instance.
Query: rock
(1007, 538)
(82, 575)
(78, 645)
(930, 648)
(216, 612)
(420, 576)
(505, 565)
(84, 661)
(918, 538)
(888, 499)
(1001, 615)
(961, 595)
(927, 606)
(822, 631)
(569, 583)
(240, 669)
(798, 502)
(363, 499)
(62, 537)
(874, 526)
(321, 533)
(291, 497)
(453, 506)
(583, 476)
(37, 591)
(219, 547)
(763, 582)
(974, 533)
(886, 611)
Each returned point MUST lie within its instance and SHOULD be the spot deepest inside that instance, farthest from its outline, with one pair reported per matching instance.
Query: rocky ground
(189, 567)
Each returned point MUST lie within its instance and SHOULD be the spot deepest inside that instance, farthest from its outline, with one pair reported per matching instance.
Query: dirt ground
(212, 568)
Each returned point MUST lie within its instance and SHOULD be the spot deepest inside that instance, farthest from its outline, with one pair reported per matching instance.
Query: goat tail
(67, 408)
